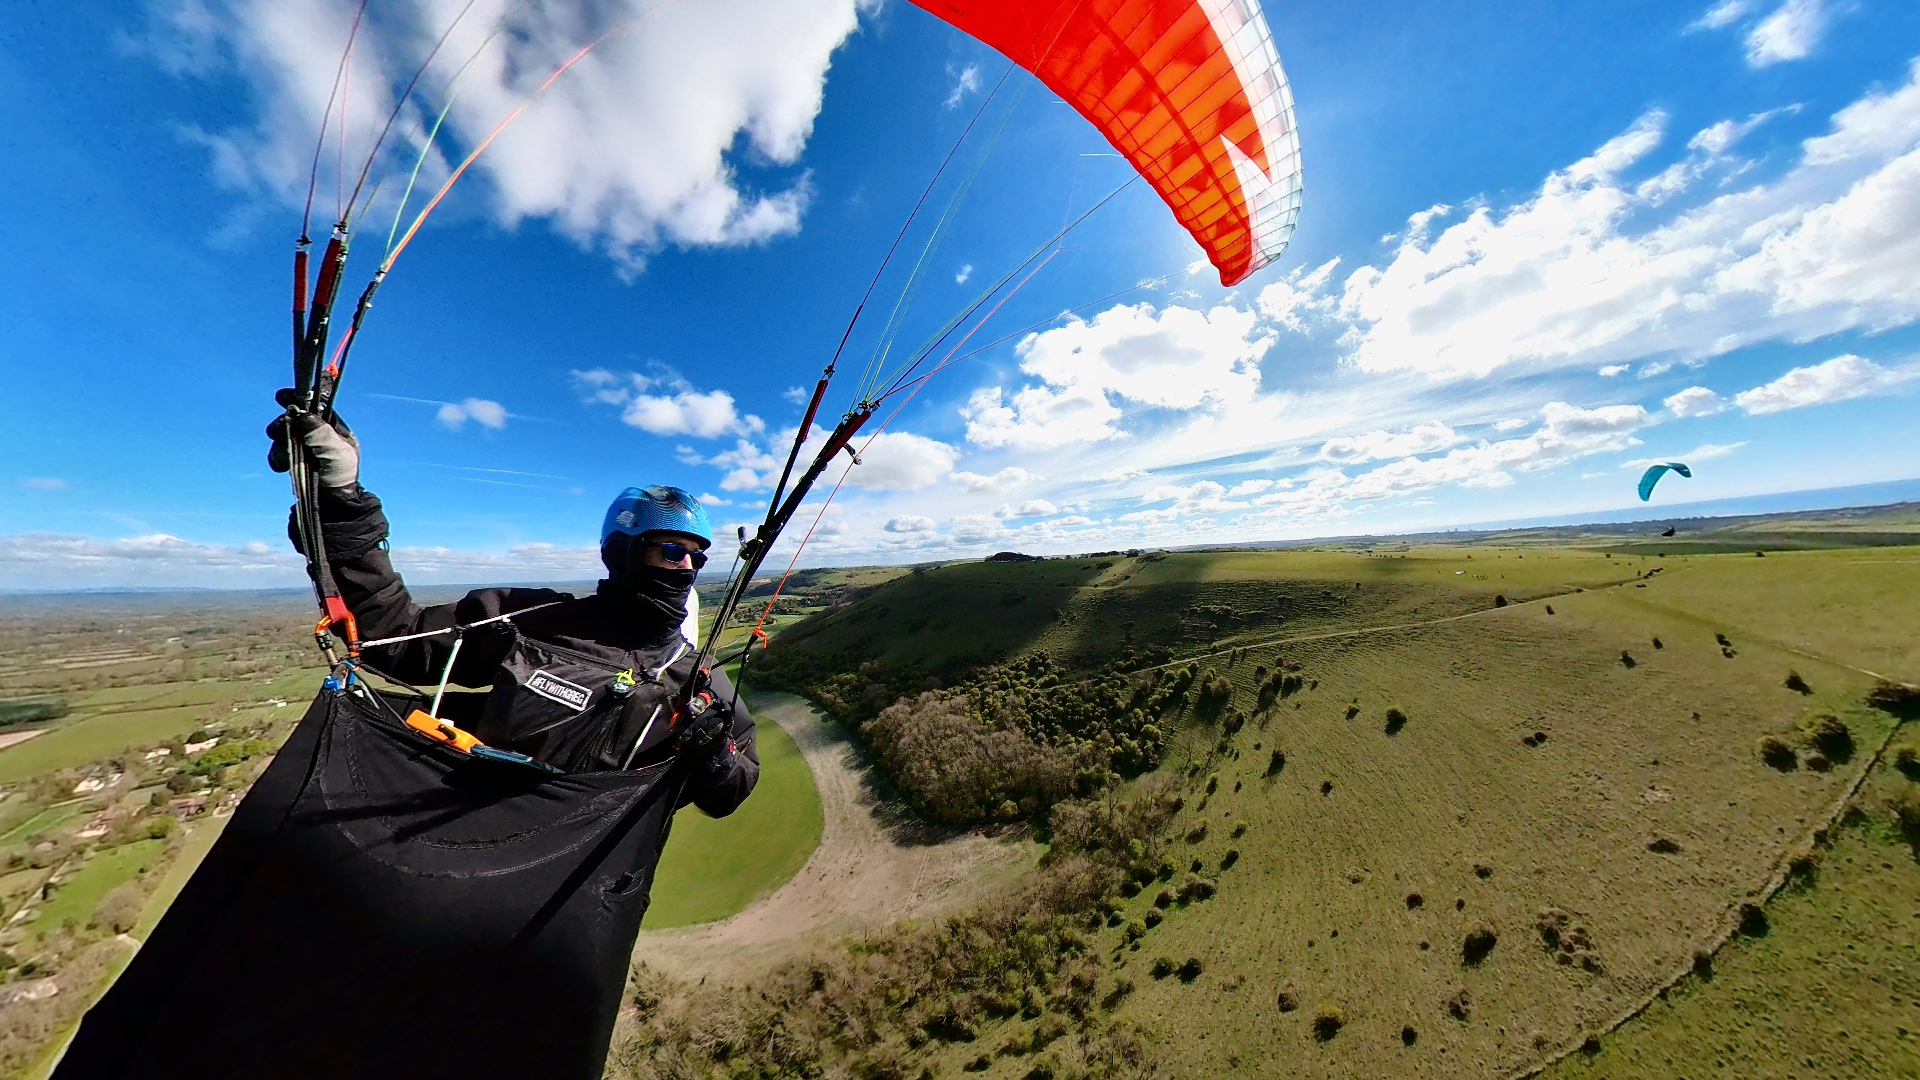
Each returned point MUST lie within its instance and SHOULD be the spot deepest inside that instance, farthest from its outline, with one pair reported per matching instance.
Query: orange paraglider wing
(1190, 91)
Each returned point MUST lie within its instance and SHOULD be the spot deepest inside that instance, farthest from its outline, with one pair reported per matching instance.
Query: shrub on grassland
(1327, 1021)
(1828, 734)
(1775, 751)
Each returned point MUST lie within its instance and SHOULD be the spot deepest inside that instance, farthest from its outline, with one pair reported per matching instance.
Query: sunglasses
(673, 553)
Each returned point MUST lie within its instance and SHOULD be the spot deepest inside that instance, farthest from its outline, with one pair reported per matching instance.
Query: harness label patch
(557, 689)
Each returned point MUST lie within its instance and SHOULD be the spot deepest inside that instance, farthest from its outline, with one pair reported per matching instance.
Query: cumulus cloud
(635, 148)
(1612, 370)
(1694, 401)
(1035, 508)
(1006, 479)
(46, 560)
(1789, 33)
(666, 404)
(966, 271)
(488, 414)
(1839, 379)
(1594, 269)
(1299, 295)
(1423, 439)
(1567, 432)
(909, 523)
(1179, 358)
(1202, 497)
(902, 461)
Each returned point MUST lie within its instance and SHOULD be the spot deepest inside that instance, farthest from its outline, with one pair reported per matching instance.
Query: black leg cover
(381, 906)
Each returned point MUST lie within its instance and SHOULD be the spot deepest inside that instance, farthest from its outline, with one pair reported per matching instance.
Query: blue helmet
(660, 508)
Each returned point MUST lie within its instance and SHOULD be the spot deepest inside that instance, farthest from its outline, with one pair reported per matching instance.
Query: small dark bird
(1669, 531)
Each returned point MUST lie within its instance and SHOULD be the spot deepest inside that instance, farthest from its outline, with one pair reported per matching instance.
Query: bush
(1777, 754)
(1479, 942)
(1286, 1001)
(1232, 856)
(1797, 684)
(1460, 1006)
(1658, 644)
(1753, 920)
(960, 769)
(1327, 1021)
(1626, 659)
(1154, 917)
(119, 910)
(1828, 734)
(30, 712)
(1661, 845)
(1906, 758)
(1415, 900)
(1190, 969)
(1396, 720)
(1163, 966)
(1276, 762)
(1900, 699)
(1499, 600)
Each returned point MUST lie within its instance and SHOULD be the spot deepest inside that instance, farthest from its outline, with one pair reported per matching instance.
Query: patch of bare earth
(876, 864)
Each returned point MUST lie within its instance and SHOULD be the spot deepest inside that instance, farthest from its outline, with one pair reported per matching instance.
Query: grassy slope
(714, 868)
(1565, 823)
(1832, 989)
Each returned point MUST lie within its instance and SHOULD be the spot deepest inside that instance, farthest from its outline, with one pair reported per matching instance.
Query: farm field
(714, 868)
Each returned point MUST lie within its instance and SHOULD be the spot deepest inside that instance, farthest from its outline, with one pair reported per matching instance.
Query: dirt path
(875, 864)
(15, 738)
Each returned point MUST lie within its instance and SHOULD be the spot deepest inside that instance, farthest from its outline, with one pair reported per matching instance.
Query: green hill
(1507, 797)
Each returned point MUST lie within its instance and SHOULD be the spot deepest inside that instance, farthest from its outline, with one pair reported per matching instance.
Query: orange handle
(442, 732)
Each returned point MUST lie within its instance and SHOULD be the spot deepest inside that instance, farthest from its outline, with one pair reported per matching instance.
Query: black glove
(706, 728)
(332, 445)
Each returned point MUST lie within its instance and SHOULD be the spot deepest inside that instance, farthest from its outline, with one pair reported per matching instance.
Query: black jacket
(605, 627)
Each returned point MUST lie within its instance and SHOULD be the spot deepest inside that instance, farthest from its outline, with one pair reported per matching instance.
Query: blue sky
(1540, 244)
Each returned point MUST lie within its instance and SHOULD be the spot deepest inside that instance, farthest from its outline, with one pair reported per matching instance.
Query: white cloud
(1298, 295)
(633, 149)
(909, 523)
(1790, 33)
(1703, 452)
(901, 461)
(1203, 497)
(1010, 477)
(44, 560)
(796, 394)
(1036, 508)
(1694, 401)
(1423, 439)
(44, 483)
(1612, 370)
(966, 271)
(1249, 487)
(964, 83)
(1512, 423)
(1839, 379)
(1179, 358)
(683, 410)
(488, 414)
(1593, 270)
(1567, 433)
(1722, 15)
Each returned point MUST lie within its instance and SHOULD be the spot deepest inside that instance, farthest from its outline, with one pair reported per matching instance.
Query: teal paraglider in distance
(1652, 476)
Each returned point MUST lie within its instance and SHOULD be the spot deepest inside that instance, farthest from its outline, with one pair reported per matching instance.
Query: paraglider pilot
(582, 683)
